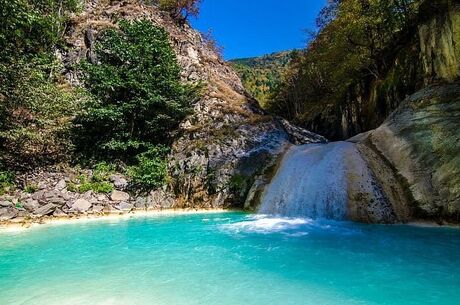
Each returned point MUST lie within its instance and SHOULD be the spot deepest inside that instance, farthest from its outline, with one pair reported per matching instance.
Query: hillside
(260, 74)
(183, 134)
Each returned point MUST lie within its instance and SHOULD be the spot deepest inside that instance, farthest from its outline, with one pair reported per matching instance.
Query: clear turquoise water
(229, 258)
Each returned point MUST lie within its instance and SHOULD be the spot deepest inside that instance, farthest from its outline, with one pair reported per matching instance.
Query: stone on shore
(81, 205)
(45, 210)
(119, 196)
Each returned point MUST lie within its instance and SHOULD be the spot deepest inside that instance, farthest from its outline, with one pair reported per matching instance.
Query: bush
(6, 181)
(98, 181)
(36, 113)
(35, 103)
(139, 97)
(152, 169)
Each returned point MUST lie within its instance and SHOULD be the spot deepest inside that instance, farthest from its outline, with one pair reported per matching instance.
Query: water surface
(229, 258)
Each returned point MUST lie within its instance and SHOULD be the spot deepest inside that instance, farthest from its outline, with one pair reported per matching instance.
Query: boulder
(98, 208)
(119, 196)
(60, 185)
(45, 210)
(141, 202)
(31, 205)
(6, 204)
(81, 205)
(125, 206)
(119, 181)
(7, 213)
(59, 213)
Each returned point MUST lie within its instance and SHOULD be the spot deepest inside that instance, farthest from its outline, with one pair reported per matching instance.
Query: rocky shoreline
(15, 224)
(49, 194)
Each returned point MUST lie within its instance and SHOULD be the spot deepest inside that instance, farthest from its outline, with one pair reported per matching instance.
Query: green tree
(139, 96)
(180, 9)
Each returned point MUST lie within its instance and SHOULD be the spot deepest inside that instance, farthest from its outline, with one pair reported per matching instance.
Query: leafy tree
(35, 103)
(355, 41)
(180, 9)
(139, 96)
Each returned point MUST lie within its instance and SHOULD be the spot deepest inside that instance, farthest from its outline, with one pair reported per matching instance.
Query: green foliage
(30, 27)
(139, 96)
(36, 112)
(180, 10)
(356, 41)
(260, 74)
(6, 181)
(97, 181)
(35, 103)
(151, 170)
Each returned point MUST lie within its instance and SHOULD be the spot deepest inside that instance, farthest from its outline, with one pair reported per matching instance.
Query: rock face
(416, 153)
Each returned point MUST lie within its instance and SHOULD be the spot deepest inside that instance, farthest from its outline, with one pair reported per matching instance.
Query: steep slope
(227, 142)
(260, 74)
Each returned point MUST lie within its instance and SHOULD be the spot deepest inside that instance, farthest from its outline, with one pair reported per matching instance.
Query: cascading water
(329, 181)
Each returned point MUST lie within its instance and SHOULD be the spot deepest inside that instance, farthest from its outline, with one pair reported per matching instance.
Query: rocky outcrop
(414, 153)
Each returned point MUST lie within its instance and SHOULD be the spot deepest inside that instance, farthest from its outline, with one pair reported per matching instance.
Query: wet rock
(119, 196)
(81, 205)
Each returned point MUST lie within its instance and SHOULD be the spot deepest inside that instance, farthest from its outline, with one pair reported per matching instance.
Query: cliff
(414, 154)
(226, 147)
(426, 53)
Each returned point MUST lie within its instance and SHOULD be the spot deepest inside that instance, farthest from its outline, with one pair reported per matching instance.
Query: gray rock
(125, 206)
(31, 205)
(119, 181)
(81, 205)
(98, 208)
(119, 196)
(141, 202)
(88, 195)
(6, 203)
(57, 200)
(45, 210)
(39, 195)
(7, 214)
(59, 213)
(61, 185)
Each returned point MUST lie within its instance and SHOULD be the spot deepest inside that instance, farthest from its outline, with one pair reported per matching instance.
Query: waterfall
(325, 181)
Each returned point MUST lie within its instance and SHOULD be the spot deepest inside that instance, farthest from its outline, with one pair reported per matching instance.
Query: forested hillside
(120, 102)
(354, 74)
(261, 74)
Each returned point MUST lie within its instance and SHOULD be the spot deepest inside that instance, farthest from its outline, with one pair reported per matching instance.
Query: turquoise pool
(229, 258)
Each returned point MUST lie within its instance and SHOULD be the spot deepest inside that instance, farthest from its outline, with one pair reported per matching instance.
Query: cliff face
(414, 153)
(228, 143)
(429, 54)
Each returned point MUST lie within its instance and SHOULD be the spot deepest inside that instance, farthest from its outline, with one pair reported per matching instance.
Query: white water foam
(311, 182)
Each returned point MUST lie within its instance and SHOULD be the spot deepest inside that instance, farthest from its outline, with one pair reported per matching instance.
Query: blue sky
(247, 28)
